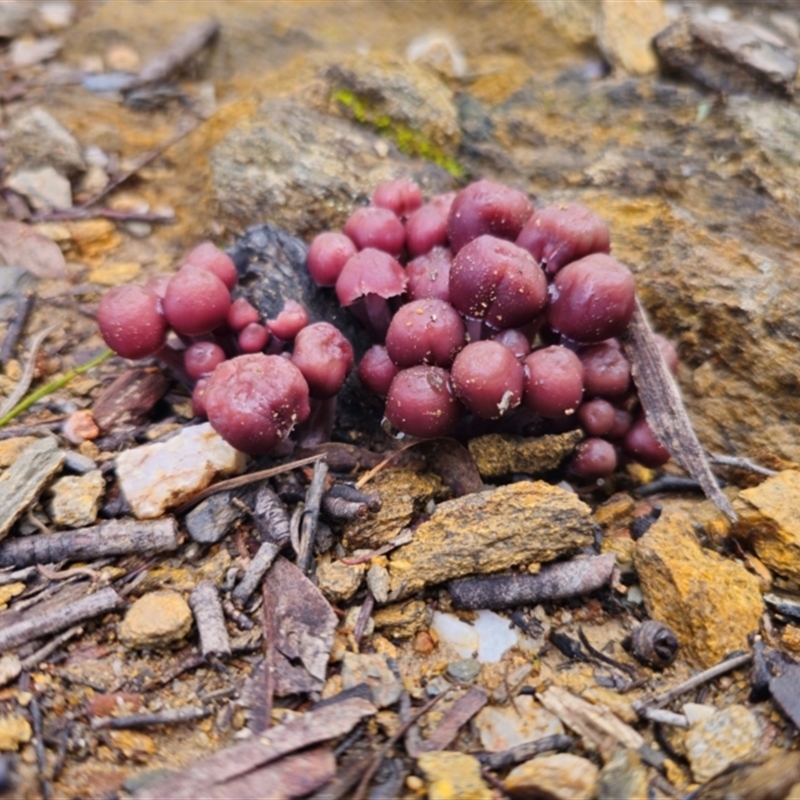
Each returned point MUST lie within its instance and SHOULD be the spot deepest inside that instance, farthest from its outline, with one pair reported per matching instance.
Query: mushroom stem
(318, 427)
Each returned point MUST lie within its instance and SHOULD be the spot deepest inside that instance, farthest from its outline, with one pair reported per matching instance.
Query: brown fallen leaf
(23, 246)
(664, 407)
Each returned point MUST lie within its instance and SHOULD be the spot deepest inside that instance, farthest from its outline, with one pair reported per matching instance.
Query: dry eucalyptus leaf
(664, 407)
(23, 246)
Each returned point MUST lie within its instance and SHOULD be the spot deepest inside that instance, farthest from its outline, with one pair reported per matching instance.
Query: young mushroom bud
(426, 331)
(496, 281)
(593, 299)
(327, 255)
(641, 444)
(606, 371)
(367, 282)
(325, 357)
(253, 401)
(485, 207)
(594, 458)
(421, 402)
(208, 256)
(131, 322)
(429, 275)
(563, 232)
(196, 301)
(401, 196)
(488, 379)
(553, 382)
(376, 227)
(376, 370)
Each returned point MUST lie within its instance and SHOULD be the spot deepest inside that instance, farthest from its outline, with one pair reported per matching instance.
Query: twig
(524, 752)
(27, 373)
(368, 476)
(36, 626)
(79, 212)
(660, 700)
(112, 538)
(628, 669)
(169, 717)
(361, 792)
(246, 480)
(256, 569)
(36, 658)
(268, 611)
(363, 617)
(310, 518)
(404, 537)
(743, 463)
(53, 386)
(38, 746)
(664, 407)
(207, 609)
(24, 305)
(664, 717)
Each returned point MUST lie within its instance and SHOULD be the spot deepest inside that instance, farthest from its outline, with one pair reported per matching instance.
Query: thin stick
(361, 792)
(104, 213)
(54, 386)
(664, 698)
(246, 480)
(742, 463)
(34, 659)
(24, 305)
(169, 717)
(368, 476)
(27, 374)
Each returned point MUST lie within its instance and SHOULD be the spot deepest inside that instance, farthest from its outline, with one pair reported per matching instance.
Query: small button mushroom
(196, 301)
(253, 401)
(427, 331)
(325, 357)
(131, 322)
(421, 402)
(376, 227)
(553, 382)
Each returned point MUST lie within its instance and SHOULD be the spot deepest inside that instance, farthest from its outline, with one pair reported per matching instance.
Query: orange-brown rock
(711, 602)
(770, 519)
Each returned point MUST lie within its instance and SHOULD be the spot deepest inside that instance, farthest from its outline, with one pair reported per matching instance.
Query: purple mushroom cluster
(485, 309)
(485, 313)
(245, 380)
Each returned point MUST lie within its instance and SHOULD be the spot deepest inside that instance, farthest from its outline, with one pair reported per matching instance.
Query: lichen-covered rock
(453, 776)
(491, 531)
(339, 581)
(76, 499)
(769, 517)
(158, 619)
(712, 603)
(401, 620)
(499, 454)
(37, 139)
(403, 494)
(728, 736)
(561, 776)
(523, 720)
(303, 170)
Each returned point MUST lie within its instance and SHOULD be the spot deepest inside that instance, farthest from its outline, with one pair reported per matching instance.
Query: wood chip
(664, 408)
(23, 481)
(459, 714)
(327, 721)
(595, 723)
(35, 625)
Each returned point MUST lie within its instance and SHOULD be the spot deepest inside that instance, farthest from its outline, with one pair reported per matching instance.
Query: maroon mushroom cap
(488, 379)
(200, 359)
(327, 255)
(606, 370)
(429, 275)
(196, 301)
(131, 322)
(594, 458)
(401, 196)
(376, 370)
(426, 228)
(553, 382)
(593, 299)
(427, 331)
(253, 401)
(494, 280)
(291, 319)
(487, 207)
(325, 357)
(208, 256)
(376, 227)
(563, 232)
(641, 444)
(421, 402)
(367, 281)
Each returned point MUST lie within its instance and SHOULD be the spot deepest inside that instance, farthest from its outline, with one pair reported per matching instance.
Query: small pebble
(339, 581)
(75, 500)
(155, 477)
(122, 58)
(374, 670)
(522, 720)
(27, 52)
(14, 731)
(731, 735)
(453, 776)
(44, 188)
(560, 777)
(157, 619)
(55, 15)
(464, 671)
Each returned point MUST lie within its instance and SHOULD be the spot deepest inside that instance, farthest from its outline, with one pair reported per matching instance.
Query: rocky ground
(143, 653)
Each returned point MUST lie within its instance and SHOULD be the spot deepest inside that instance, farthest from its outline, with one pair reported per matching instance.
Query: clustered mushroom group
(485, 313)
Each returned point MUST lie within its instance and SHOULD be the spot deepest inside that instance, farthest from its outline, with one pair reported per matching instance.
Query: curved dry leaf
(23, 246)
